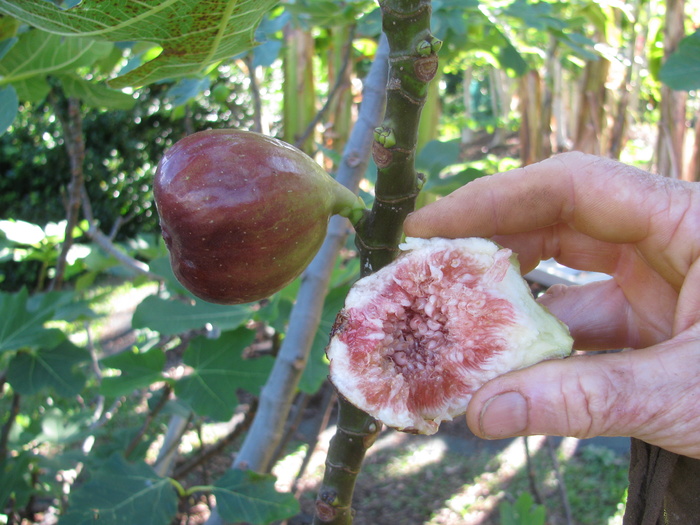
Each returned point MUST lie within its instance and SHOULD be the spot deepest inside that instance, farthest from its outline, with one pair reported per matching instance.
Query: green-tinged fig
(243, 214)
(416, 339)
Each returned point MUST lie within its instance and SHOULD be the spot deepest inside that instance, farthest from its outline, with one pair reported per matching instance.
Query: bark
(591, 108)
(340, 98)
(299, 92)
(621, 120)
(669, 145)
(559, 116)
(531, 148)
(694, 162)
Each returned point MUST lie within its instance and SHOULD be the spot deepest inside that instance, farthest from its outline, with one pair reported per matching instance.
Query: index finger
(600, 198)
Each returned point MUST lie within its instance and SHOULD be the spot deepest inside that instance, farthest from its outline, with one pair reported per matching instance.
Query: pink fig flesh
(416, 339)
(242, 214)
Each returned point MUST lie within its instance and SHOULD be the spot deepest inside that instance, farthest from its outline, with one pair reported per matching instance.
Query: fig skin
(243, 214)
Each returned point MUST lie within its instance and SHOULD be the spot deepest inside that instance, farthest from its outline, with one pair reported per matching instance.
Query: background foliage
(111, 421)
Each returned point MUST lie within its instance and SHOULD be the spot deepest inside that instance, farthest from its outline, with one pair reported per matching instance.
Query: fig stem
(347, 204)
(379, 231)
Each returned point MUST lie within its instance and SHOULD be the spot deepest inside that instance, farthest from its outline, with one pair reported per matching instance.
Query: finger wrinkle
(579, 430)
(568, 206)
(683, 226)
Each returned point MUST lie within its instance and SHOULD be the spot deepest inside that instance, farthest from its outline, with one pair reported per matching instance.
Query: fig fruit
(243, 214)
(417, 338)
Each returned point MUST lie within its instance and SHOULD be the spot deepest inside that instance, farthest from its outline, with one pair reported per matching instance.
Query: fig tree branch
(72, 125)
(412, 64)
(104, 242)
(209, 452)
(277, 394)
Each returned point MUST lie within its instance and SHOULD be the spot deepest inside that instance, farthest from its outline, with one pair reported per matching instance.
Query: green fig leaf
(15, 479)
(170, 317)
(122, 493)
(316, 370)
(9, 105)
(138, 370)
(192, 34)
(682, 69)
(218, 371)
(249, 497)
(57, 368)
(22, 320)
(95, 95)
(38, 54)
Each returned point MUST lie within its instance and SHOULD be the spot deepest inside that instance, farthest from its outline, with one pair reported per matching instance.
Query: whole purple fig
(243, 214)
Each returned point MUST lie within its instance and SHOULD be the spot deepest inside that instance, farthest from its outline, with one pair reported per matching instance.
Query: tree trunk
(694, 161)
(672, 121)
(299, 92)
(531, 147)
(340, 72)
(590, 128)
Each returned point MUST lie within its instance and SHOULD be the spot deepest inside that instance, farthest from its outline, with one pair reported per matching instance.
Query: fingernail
(504, 415)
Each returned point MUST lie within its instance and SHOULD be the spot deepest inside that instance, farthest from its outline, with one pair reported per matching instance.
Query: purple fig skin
(242, 214)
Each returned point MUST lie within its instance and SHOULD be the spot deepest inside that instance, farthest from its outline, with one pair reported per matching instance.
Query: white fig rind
(418, 337)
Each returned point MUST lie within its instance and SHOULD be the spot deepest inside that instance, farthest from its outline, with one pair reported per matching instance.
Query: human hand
(594, 214)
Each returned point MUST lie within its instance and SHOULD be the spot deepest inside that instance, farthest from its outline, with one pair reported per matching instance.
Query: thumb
(650, 394)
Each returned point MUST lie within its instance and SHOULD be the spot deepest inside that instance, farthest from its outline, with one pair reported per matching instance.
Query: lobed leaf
(175, 317)
(193, 34)
(95, 95)
(38, 54)
(138, 370)
(122, 493)
(249, 497)
(55, 368)
(218, 371)
(22, 320)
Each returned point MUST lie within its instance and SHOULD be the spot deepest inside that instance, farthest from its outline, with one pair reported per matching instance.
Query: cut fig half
(417, 338)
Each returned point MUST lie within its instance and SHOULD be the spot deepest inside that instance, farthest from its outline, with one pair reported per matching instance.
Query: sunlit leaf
(58, 426)
(193, 34)
(95, 95)
(218, 371)
(171, 317)
(248, 497)
(38, 54)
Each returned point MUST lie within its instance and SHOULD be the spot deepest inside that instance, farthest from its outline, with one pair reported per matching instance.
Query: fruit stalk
(412, 64)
